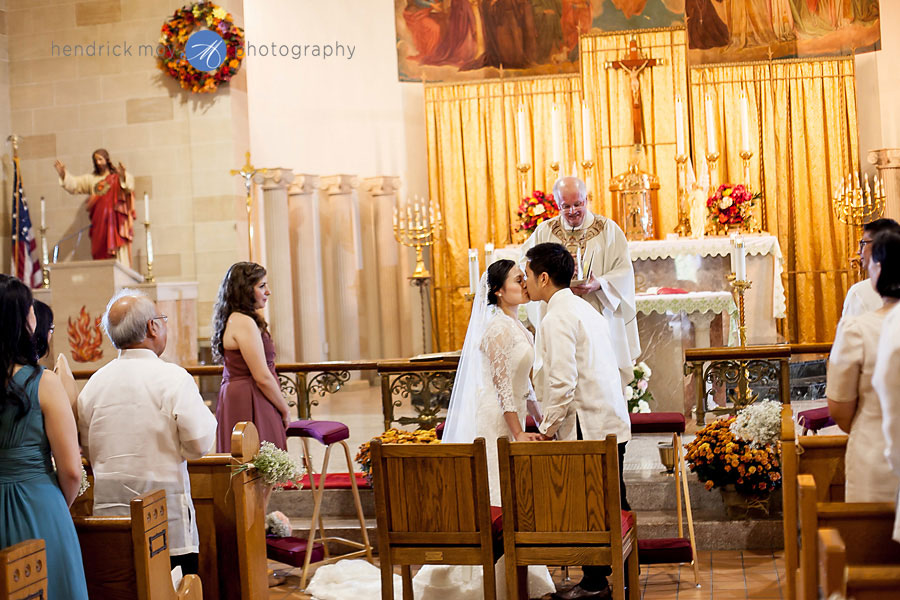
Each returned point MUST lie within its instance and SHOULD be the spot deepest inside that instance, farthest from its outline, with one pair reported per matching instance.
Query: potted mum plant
(393, 436)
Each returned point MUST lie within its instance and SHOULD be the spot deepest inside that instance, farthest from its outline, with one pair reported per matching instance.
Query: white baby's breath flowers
(275, 465)
(759, 423)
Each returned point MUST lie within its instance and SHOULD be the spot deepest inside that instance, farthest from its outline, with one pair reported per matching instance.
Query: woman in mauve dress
(240, 339)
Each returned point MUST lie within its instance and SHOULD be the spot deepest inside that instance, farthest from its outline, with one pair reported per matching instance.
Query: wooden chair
(432, 507)
(865, 528)
(862, 582)
(819, 456)
(128, 557)
(23, 571)
(231, 520)
(561, 506)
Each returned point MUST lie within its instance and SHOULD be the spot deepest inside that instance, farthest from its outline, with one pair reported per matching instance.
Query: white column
(888, 162)
(306, 268)
(342, 254)
(393, 289)
(277, 260)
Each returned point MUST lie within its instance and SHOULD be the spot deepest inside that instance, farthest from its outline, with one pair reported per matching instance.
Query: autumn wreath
(174, 37)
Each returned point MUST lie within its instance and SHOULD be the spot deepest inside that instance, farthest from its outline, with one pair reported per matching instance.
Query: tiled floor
(724, 575)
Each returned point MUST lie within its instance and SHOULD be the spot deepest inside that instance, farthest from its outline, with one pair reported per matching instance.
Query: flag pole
(14, 140)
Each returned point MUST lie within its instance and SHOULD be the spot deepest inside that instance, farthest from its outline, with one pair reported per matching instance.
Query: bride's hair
(496, 277)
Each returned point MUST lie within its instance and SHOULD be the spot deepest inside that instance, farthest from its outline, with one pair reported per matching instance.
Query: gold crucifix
(634, 64)
(247, 172)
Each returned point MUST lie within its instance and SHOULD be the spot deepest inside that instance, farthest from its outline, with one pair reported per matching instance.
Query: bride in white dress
(492, 395)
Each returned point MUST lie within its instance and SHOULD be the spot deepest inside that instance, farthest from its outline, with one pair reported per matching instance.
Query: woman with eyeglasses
(241, 340)
(35, 423)
(852, 401)
(862, 297)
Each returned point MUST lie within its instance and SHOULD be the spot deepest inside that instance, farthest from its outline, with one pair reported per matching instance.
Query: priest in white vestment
(605, 265)
(862, 297)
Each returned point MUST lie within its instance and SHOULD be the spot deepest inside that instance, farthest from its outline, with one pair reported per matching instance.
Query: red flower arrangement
(175, 33)
(730, 207)
(535, 209)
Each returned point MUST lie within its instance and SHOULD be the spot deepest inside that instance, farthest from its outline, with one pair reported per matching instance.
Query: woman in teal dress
(35, 421)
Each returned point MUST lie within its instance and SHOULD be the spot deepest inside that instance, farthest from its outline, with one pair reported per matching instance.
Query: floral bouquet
(720, 458)
(276, 466)
(393, 436)
(730, 207)
(535, 209)
(759, 423)
(637, 394)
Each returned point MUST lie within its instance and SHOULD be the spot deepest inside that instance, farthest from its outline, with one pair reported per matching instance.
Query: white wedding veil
(459, 427)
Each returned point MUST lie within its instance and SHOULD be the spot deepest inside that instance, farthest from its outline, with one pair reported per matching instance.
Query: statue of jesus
(110, 204)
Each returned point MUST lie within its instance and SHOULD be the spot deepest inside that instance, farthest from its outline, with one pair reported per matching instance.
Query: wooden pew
(819, 456)
(865, 528)
(127, 558)
(23, 571)
(231, 521)
(862, 582)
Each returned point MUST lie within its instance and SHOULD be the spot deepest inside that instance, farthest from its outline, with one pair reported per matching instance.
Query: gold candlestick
(45, 259)
(684, 221)
(740, 286)
(554, 166)
(149, 278)
(522, 169)
(587, 165)
(711, 160)
(247, 173)
(418, 232)
(750, 224)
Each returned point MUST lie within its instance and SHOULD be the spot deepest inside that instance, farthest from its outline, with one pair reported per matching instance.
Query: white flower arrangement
(275, 465)
(278, 524)
(759, 423)
(637, 393)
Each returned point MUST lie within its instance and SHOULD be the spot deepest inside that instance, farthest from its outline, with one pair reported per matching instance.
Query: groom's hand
(545, 438)
(525, 436)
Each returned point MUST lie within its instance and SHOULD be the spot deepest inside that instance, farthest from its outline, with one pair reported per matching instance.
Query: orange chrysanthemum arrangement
(393, 436)
(175, 33)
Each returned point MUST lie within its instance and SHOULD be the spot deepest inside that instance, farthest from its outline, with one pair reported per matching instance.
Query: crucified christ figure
(634, 64)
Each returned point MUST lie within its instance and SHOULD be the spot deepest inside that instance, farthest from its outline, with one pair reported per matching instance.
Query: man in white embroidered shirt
(140, 419)
(862, 297)
(576, 376)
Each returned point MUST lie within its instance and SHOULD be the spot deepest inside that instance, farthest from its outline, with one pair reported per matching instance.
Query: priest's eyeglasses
(165, 318)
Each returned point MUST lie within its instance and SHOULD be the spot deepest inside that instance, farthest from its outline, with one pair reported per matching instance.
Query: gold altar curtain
(608, 93)
(807, 110)
(472, 173)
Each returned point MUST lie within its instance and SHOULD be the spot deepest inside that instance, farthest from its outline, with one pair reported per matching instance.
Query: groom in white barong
(605, 263)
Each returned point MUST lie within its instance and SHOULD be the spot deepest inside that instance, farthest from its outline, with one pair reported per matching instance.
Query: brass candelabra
(684, 221)
(149, 278)
(418, 228)
(711, 160)
(856, 204)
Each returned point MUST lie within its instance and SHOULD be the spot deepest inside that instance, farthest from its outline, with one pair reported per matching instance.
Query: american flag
(28, 266)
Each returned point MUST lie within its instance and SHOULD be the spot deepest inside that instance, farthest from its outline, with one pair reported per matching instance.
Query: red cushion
(627, 521)
(333, 481)
(815, 419)
(657, 422)
(439, 430)
(664, 550)
(327, 432)
(291, 550)
(663, 291)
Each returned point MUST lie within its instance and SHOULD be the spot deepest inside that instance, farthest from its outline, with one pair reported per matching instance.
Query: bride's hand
(525, 436)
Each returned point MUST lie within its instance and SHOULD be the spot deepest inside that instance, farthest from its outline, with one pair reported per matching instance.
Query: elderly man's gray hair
(563, 181)
(132, 327)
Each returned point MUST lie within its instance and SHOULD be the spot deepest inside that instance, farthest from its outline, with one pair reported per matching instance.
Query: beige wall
(878, 87)
(178, 145)
(4, 133)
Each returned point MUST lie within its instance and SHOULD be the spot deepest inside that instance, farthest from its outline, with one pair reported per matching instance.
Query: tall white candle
(488, 255)
(679, 127)
(733, 253)
(745, 123)
(711, 147)
(740, 272)
(520, 135)
(146, 207)
(587, 139)
(473, 270)
(43, 213)
(555, 135)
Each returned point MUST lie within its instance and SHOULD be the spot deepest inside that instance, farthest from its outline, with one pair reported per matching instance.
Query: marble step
(712, 532)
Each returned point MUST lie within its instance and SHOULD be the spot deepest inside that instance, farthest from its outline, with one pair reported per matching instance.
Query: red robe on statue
(112, 218)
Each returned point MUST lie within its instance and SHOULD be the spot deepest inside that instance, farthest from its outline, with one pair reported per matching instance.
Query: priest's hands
(60, 169)
(588, 287)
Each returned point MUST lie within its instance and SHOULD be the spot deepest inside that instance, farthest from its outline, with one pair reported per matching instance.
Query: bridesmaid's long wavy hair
(16, 343)
(236, 295)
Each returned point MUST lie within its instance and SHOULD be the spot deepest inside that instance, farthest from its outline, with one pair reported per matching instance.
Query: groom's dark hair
(554, 260)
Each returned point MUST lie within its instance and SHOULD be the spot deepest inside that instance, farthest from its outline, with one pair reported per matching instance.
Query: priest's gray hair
(132, 327)
(564, 182)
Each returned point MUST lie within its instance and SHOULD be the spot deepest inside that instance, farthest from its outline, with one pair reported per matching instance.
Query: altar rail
(742, 368)
(426, 385)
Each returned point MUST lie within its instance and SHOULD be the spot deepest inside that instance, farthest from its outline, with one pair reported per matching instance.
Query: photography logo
(205, 50)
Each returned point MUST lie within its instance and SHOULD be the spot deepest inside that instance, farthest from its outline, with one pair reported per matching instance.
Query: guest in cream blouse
(852, 401)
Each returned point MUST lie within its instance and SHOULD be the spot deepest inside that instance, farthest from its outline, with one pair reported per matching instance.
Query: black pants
(595, 576)
(189, 563)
